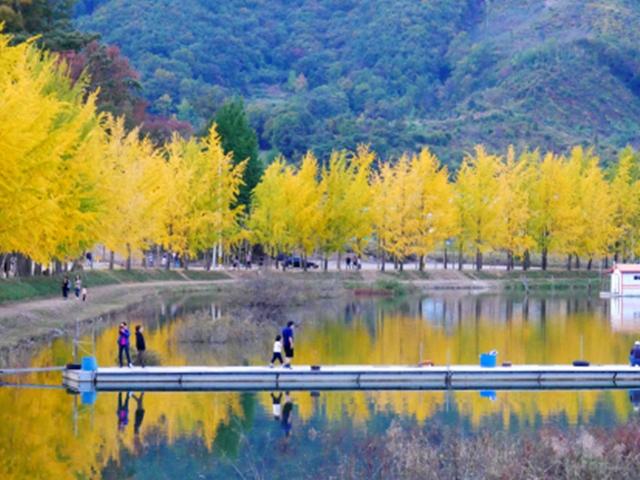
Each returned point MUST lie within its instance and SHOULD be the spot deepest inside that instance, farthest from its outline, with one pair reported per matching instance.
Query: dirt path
(24, 324)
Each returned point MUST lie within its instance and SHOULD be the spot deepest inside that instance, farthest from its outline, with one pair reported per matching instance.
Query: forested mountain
(397, 74)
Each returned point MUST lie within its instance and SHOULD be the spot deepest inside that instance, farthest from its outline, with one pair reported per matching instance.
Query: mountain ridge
(398, 75)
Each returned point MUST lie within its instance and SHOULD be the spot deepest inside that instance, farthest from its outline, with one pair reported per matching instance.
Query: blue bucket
(89, 364)
(488, 359)
(490, 394)
(88, 398)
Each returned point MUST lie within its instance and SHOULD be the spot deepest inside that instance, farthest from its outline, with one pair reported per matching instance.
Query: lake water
(50, 434)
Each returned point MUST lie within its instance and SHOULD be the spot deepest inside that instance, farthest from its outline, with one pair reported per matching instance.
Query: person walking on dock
(634, 355)
(287, 336)
(141, 345)
(277, 351)
(123, 343)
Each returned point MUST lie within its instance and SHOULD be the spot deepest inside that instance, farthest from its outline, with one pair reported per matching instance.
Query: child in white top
(277, 351)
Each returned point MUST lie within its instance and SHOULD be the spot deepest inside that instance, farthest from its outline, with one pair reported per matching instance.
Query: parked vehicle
(297, 262)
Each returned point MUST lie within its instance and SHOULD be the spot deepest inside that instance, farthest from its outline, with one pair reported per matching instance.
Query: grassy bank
(19, 289)
(544, 280)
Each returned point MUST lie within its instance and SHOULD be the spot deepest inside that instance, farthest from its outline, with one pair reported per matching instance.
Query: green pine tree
(238, 136)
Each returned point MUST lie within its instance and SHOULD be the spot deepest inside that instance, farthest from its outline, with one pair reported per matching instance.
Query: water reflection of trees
(185, 429)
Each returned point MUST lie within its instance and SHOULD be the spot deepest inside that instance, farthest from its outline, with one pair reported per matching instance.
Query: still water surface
(50, 434)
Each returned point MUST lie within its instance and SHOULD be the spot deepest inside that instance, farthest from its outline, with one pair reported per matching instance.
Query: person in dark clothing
(123, 410)
(123, 344)
(634, 355)
(141, 346)
(139, 416)
(287, 338)
(66, 286)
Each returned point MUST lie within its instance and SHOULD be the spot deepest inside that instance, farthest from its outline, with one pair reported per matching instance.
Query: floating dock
(352, 377)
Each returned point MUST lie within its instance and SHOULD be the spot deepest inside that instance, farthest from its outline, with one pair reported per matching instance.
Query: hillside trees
(239, 139)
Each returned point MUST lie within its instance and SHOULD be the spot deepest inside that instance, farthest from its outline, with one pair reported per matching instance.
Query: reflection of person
(634, 355)
(287, 336)
(275, 405)
(123, 410)
(139, 413)
(634, 397)
(286, 415)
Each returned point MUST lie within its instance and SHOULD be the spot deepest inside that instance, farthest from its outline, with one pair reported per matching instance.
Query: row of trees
(75, 177)
(515, 204)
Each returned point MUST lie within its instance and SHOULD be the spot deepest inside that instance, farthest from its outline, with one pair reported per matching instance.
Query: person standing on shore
(123, 344)
(78, 286)
(141, 346)
(65, 287)
(287, 337)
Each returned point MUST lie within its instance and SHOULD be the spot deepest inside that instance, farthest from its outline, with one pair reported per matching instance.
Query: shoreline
(26, 324)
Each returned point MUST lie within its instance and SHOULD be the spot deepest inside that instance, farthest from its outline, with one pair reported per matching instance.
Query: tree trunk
(606, 262)
(589, 263)
(185, 260)
(446, 256)
(339, 261)
(526, 261)
(577, 262)
(510, 263)
(460, 259)
(383, 262)
(422, 263)
(128, 257)
(401, 265)
(569, 262)
(326, 263)
(478, 260)
(3, 263)
(111, 259)
(303, 259)
(544, 259)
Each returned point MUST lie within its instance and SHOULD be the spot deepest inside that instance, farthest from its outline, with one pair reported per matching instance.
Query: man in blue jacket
(287, 340)
(634, 355)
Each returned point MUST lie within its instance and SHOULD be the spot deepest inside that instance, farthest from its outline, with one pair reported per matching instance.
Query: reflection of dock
(352, 377)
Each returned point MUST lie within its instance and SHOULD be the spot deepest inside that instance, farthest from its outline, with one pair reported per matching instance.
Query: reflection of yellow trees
(37, 438)
(547, 334)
